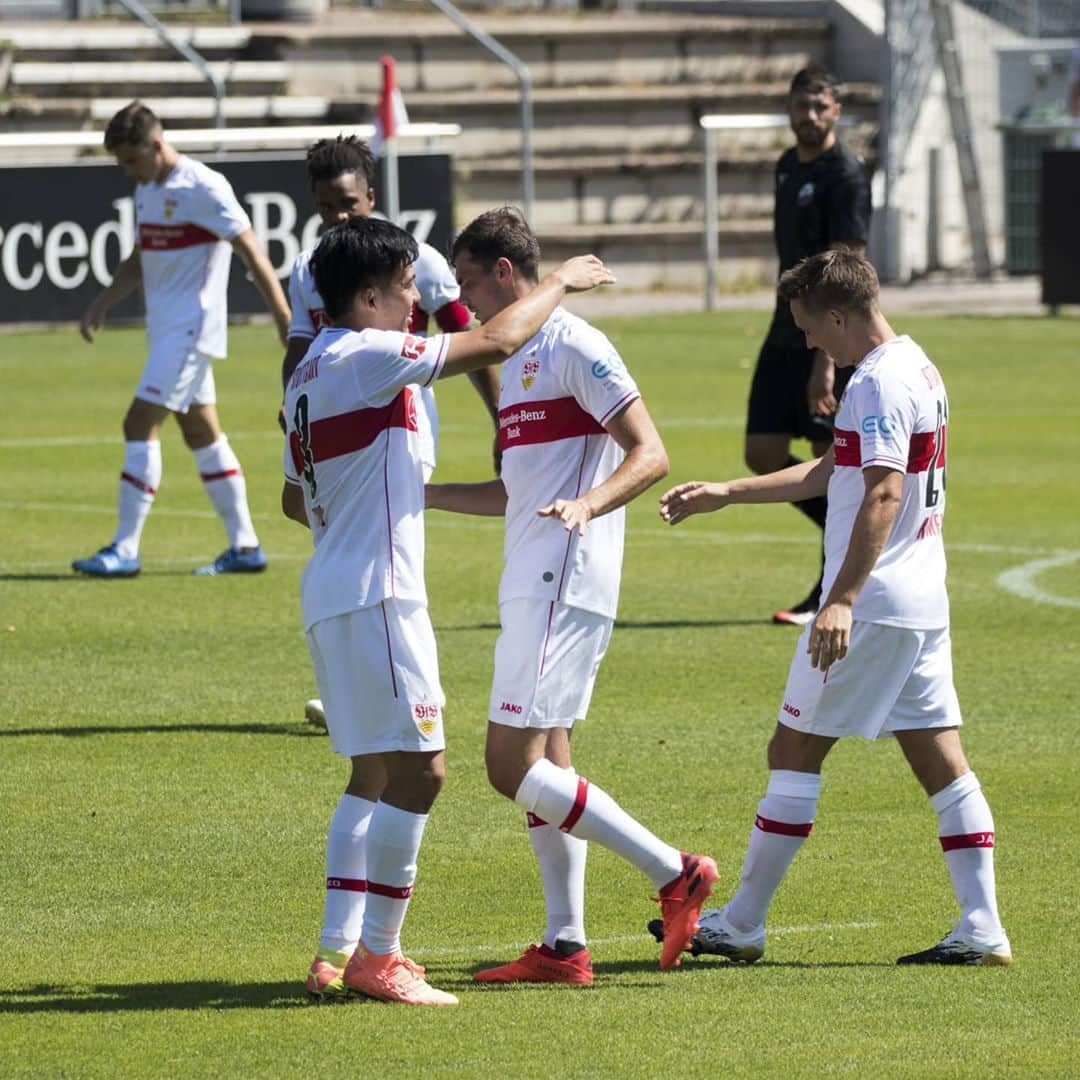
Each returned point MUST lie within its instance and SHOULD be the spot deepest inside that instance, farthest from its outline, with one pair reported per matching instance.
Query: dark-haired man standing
(188, 219)
(877, 658)
(822, 201)
(354, 475)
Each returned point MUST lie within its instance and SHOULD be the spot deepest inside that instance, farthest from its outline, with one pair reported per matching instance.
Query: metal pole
(524, 78)
(187, 52)
(885, 114)
(712, 246)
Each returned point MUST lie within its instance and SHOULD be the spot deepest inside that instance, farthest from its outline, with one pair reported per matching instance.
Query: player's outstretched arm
(802, 481)
(499, 338)
(128, 278)
(646, 462)
(487, 499)
(247, 247)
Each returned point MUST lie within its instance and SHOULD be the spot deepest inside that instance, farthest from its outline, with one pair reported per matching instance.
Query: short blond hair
(838, 278)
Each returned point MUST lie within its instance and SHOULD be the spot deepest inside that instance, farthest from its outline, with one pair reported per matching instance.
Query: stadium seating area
(616, 99)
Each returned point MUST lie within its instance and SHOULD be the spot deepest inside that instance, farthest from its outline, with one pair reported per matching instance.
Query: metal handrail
(187, 52)
(524, 77)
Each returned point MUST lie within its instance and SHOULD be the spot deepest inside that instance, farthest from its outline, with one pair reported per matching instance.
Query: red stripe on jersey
(534, 821)
(784, 828)
(134, 481)
(210, 477)
(967, 840)
(348, 433)
(173, 237)
(580, 798)
(395, 892)
(530, 423)
(348, 884)
(847, 448)
(418, 320)
(920, 452)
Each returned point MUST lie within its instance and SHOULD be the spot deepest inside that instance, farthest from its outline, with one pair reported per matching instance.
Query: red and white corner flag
(392, 112)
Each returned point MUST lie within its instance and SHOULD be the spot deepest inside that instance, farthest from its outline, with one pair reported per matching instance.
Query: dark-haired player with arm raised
(877, 659)
(354, 474)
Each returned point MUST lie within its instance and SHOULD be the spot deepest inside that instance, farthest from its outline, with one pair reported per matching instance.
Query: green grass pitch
(163, 805)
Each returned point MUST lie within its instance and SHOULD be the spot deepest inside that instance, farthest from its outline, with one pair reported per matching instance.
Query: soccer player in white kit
(578, 444)
(189, 222)
(877, 659)
(354, 475)
(341, 172)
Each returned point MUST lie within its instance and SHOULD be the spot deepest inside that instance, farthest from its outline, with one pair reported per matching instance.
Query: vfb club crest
(529, 373)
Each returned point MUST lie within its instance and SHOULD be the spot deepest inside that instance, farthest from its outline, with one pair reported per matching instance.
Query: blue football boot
(234, 561)
(107, 562)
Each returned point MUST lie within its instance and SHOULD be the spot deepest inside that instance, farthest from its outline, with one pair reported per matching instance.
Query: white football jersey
(557, 393)
(183, 226)
(437, 285)
(894, 412)
(353, 446)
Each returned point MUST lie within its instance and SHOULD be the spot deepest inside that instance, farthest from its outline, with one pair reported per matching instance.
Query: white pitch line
(623, 939)
(1020, 580)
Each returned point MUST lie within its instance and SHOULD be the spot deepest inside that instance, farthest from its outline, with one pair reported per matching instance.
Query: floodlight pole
(524, 78)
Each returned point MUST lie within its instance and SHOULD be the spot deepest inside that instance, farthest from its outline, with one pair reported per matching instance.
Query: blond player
(876, 661)
(578, 444)
(355, 476)
(189, 222)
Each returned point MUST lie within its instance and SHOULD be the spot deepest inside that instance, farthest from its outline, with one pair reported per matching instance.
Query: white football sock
(393, 842)
(140, 479)
(346, 863)
(562, 870)
(966, 831)
(784, 820)
(223, 478)
(582, 809)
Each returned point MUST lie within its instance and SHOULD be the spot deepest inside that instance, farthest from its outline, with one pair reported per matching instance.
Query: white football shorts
(378, 676)
(177, 379)
(546, 661)
(892, 679)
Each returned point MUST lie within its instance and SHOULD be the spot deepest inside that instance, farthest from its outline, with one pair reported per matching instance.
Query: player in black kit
(822, 201)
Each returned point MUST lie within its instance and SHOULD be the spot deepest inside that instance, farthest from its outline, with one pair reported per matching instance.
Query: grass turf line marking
(1020, 580)
(623, 939)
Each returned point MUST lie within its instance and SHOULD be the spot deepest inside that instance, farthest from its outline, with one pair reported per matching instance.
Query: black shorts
(778, 404)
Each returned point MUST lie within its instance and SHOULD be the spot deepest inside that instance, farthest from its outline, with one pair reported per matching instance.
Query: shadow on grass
(301, 731)
(151, 997)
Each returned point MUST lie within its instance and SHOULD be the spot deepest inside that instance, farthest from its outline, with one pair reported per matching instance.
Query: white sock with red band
(393, 843)
(575, 806)
(223, 478)
(139, 480)
(346, 850)
(784, 820)
(562, 870)
(966, 831)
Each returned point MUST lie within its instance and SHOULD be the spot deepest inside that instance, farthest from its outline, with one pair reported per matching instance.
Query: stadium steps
(91, 78)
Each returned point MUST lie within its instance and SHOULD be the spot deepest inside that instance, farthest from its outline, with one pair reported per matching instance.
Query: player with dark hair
(578, 445)
(822, 201)
(877, 658)
(189, 222)
(354, 475)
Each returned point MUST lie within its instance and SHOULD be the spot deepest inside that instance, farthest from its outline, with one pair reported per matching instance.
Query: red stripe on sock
(534, 821)
(134, 481)
(210, 477)
(349, 884)
(967, 840)
(579, 805)
(395, 892)
(784, 828)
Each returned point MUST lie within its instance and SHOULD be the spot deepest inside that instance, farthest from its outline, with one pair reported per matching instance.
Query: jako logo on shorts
(791, 710)
(510, 707)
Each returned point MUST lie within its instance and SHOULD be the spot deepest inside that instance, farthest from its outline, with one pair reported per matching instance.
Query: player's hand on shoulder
(693, 497)
(573, 513)
(830, 635)
(584, 272)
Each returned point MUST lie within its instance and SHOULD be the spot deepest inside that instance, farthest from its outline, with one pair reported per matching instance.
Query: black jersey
(819, 203)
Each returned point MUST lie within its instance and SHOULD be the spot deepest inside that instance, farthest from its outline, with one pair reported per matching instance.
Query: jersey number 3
(301, 447)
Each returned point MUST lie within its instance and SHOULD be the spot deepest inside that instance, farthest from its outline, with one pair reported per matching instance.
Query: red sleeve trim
(452, 317)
